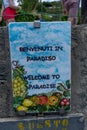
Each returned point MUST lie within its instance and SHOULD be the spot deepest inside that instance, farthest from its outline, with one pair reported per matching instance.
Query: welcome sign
(41, 66)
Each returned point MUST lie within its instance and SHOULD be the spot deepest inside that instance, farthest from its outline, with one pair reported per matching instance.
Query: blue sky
(50, 0)
(56, 0)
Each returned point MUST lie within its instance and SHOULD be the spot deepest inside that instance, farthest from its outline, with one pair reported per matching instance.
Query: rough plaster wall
(79, 70)
(5, 76)
(79, 73)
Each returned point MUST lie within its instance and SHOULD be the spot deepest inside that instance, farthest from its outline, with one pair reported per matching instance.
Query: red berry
(62, 103)
(67, 103)
(64, 100)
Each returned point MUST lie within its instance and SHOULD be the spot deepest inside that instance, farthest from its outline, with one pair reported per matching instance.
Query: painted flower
(43, 100)
(53, 100)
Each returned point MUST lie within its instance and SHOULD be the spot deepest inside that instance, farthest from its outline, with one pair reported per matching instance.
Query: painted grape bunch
(19, 87)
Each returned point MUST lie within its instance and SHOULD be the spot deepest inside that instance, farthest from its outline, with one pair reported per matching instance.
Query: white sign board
(41, 66)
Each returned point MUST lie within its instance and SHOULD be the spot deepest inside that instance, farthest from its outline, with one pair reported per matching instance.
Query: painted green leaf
(66, 93)
(42, 108)
(59, 88)
(68, 84)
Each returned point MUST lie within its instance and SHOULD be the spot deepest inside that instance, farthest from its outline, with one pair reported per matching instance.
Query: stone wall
(79, 70)
(78, 76)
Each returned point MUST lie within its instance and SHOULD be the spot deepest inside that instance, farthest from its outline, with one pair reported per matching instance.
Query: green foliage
(2, 23)
(41, 8)
(46, 17)
(29, 5)
(79, 16)
(51, 11)
(25, 17)
(64, 18)
(47, 4)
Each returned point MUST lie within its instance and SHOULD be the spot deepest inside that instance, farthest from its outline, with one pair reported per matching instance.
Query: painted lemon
(21, 108)
(27, 103)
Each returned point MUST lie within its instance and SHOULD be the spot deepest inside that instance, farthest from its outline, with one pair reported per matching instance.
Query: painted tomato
(43, 100)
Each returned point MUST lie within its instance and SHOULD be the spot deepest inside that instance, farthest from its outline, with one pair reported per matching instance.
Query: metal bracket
(37, 24)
